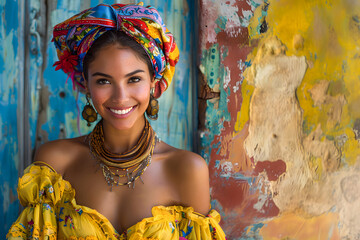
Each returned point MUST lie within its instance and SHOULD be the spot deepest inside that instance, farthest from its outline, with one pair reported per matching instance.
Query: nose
(119, 94)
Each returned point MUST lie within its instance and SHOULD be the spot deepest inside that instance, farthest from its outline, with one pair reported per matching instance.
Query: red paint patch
(273, 169)
(231, 193)
(237, 202)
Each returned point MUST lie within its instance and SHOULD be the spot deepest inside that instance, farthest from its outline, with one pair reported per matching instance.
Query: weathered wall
(280, 100)
(38, 106)
(11, 115)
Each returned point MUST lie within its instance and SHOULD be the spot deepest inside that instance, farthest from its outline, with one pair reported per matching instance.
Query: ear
(153, 81)
(86, 86)
(85, 83)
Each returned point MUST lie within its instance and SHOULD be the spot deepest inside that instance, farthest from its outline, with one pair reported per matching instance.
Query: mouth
(122, 112)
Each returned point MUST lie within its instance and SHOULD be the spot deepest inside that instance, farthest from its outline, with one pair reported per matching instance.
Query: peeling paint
(10, 71)
(233, 186)
(324, 136)
(273, 169)
(275, 119)
(309, 122)
(10, 75)
(295, 227)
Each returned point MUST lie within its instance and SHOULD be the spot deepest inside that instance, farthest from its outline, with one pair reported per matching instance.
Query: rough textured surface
(326, 97)
(282, 138)
(275, 119)
(241, 195)
(11, 116)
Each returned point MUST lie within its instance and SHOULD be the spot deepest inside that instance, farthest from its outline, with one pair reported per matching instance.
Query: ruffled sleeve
(51, 212)
(177, 222)
(39, 191)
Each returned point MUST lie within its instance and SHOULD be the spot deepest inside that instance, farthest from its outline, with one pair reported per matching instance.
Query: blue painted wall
(38, 106)
(11, 76)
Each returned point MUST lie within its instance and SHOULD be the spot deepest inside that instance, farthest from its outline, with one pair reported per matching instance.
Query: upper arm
(192, 181)
(53, 153)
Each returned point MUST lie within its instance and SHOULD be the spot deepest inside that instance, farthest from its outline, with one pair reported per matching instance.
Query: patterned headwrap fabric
(74, 37)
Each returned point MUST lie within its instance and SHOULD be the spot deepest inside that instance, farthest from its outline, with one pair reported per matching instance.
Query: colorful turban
(74, 37)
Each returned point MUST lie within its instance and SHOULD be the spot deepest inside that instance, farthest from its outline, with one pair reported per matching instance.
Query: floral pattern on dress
(46, 207)
(31, 226)
(67, 220)
(185, 234)
(59, 215)
(79, 211)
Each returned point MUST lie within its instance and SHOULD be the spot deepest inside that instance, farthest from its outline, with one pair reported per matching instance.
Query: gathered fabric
(51, 212)
(74, 37)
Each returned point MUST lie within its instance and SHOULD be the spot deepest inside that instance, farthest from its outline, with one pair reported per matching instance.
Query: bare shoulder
(185, 163)
(189, 174)
(59, 153)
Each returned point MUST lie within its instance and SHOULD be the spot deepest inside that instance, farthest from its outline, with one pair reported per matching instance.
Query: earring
(153, 108)
(89, 113)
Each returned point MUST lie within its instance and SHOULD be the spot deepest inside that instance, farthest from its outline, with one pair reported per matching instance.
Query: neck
(120, 141)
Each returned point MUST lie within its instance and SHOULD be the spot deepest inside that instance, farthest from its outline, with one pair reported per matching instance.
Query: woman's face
(119, 83)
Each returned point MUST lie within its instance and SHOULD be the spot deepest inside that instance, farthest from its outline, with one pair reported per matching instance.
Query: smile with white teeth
(125, 111)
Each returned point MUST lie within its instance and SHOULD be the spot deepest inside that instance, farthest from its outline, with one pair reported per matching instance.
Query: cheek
(98, 97)
(142, 94)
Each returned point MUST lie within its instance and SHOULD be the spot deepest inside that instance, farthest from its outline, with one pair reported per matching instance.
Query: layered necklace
(124, 168)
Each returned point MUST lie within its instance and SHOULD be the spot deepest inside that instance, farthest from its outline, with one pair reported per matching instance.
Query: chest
(121, 205)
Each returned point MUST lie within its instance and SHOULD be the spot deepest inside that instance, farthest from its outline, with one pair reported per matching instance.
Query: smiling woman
(119, 83)
(122, 57)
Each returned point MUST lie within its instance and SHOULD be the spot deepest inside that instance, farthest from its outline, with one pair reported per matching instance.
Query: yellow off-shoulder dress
(51, 212)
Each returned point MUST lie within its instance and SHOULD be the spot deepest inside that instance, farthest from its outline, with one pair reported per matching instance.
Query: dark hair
(115, 37)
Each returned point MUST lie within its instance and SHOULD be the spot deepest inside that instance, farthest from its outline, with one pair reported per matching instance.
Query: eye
(102, 81)
(134, 80)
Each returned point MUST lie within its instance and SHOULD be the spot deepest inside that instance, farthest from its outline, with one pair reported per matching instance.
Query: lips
(121, 112)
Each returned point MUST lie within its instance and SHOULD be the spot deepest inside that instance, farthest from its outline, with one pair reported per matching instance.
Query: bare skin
(174, 177)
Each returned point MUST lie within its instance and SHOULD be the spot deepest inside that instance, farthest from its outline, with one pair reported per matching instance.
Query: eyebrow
(134, 72)
(108, 76)
(100, 74)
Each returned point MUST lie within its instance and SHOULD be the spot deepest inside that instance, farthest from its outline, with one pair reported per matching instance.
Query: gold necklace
(131, 164)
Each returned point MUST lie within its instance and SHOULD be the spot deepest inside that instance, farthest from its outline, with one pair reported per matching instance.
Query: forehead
(116, 57)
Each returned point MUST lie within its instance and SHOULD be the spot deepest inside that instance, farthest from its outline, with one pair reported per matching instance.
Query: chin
(122, 126)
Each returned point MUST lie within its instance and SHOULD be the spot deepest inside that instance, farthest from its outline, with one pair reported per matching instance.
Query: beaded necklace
(130, 164)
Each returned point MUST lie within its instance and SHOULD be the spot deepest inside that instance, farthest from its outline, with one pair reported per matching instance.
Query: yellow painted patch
(243, 116)
(317, 166)
(327, 33)
(292, 226)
